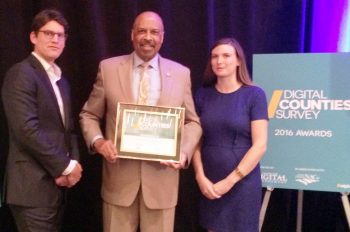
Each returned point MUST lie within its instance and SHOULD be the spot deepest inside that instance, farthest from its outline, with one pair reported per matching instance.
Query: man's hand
(61, 181)
(71, 179)
(74, 177)
(180, 165)
(107, 149)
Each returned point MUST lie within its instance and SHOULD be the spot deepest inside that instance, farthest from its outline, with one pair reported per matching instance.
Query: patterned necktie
(144, 85)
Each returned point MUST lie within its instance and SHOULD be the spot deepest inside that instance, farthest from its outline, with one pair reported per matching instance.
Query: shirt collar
(137, 61)
(57, 71)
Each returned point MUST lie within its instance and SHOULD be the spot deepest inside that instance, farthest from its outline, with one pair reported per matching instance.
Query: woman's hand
(223, 186)
(206, 187)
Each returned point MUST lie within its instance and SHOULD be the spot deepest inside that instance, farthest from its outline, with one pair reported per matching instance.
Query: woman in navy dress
(234, 118)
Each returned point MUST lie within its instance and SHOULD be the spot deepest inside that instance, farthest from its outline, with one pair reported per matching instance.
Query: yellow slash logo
(275, 99)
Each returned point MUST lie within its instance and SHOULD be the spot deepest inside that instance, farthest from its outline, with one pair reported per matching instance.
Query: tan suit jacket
(122, 180)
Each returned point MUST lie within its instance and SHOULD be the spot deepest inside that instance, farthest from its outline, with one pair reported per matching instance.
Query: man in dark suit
(139, 193)
(43, 151)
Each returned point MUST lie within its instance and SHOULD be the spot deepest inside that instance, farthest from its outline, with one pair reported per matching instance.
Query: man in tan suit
(139, 193)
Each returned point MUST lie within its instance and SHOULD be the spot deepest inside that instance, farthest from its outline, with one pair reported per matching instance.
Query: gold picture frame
(149, 132)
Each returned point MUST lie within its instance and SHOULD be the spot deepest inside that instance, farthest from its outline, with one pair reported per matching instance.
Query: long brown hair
(210, 79)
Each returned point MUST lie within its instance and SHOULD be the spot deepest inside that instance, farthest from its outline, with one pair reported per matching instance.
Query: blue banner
(309, 112)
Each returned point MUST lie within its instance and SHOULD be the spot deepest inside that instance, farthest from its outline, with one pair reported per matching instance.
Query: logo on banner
(344, 186)
(273, 178)
(307, 179)
(303, 104)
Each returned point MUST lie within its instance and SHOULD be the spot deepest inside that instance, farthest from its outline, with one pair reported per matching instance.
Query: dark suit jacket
(39, 141)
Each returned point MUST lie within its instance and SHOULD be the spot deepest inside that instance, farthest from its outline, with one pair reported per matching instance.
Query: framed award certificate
(149, 132)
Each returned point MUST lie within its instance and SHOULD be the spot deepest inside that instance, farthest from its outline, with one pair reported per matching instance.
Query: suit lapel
(167, 82)
(44, 79)
(125, 75)
(66, 103)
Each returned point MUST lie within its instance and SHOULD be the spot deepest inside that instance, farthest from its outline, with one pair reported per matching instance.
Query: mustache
(147, 42)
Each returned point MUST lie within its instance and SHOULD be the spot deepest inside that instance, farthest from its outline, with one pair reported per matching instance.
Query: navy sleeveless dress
(226, 118)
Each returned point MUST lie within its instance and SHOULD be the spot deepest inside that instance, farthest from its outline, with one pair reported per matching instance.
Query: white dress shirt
(54, 72)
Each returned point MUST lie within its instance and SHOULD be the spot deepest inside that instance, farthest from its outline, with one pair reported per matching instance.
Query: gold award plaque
(149, 132)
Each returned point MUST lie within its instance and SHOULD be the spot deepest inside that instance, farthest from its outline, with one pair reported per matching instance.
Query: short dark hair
(46, 16)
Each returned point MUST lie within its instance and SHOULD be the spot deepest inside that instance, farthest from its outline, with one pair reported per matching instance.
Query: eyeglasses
(51, 34)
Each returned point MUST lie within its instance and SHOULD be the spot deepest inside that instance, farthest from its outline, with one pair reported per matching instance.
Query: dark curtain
(101, 29)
